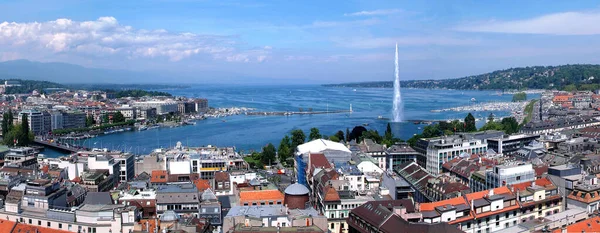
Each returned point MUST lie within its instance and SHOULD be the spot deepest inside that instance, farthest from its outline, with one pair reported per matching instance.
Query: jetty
(289, 113)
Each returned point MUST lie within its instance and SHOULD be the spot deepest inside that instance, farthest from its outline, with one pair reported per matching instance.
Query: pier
(295, 113)
(60, 147)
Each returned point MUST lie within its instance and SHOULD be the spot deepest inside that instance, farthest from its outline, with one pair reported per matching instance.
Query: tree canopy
(298, 138)
(314, 134)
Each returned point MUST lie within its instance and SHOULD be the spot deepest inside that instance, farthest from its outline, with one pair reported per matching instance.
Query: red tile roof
(159, 176)
(539, 182)
(481, 194)
(151, 224)
(317, 161)
(261, 195)
(331, 194)
(589, 225)
(23, 228)
(453, 201)
(6, 226)
(202, 185)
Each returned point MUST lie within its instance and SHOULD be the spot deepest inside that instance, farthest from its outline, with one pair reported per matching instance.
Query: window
(342, 225)
(506, 225)
(30, 221)
(48, 224)
(69, 227)
(332, 216)
(39, 222)
(60, 226)
(332, 226)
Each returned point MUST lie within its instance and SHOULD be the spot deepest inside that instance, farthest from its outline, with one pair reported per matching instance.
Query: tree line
(284, 153)
(509, 125)
(19, 134)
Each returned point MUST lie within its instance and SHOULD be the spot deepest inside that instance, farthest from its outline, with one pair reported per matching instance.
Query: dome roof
(296, 189)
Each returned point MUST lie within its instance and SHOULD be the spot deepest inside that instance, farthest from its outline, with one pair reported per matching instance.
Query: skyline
(296, 42)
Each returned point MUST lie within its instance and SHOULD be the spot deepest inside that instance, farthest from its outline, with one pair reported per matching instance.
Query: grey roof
(270, 211)
(208, 195)
(98, 198)
(169, 216)
(297, 189)
(480, 202)
(430, 214)
(177, 198)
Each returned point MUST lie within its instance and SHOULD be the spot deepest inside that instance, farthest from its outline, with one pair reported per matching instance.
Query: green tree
(118, 117)
(388, 132)
(89, 121)
(314, 134)
(334, 138)
(470, 123)
(339, 135)
(521, 96)
(267, 156)
(284, 152)
(347, 139)
(510, 125)
(23, 136)
(4, 124)
(105, 119)
(298, 138)
(373, 135)
(491, 117)
(570, 88)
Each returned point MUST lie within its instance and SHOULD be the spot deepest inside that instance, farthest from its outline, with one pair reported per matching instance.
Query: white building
(441, 150)
(162, 107)
(509, 174)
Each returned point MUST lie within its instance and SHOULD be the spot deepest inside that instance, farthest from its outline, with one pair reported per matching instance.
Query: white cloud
(374, 12)
(105, 36)
(380, 42)
(565, 23)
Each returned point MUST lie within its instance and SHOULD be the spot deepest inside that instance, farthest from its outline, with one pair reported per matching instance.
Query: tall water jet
(398, 110)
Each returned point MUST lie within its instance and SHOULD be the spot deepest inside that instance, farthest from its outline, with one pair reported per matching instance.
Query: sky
(302, 41)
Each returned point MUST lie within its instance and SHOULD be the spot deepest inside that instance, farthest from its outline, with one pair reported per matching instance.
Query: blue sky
(302, 41)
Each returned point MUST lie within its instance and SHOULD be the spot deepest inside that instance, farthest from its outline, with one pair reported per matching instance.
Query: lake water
(252, 132)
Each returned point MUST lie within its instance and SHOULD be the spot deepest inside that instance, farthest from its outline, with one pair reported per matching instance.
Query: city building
(128, 112)
(73, 119)
(40, 123)
(586, 195)
(443, 149)
(508, 144)
(398, 154)
(162, 107)
(392, 216)
(538, 199)
(398, 187)
(183, 199)
(210, 208)
(98, 180)
(418, 179)
(276, 218)
(502, 175)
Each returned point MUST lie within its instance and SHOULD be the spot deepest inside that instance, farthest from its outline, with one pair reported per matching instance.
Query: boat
(224, 121)
(473, 100)
(354, 90)
(365, 124)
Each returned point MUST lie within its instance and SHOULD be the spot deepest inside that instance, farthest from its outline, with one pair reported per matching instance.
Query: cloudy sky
(302, 41)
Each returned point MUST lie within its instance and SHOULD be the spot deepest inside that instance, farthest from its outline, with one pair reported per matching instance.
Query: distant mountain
(69, 73)
(570, 77)
(66, 73)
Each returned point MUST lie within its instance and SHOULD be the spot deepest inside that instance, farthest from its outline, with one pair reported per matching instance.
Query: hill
(564, 77)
